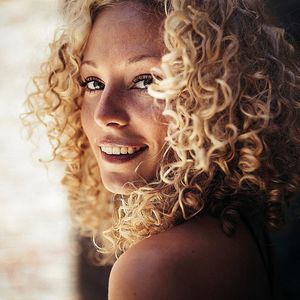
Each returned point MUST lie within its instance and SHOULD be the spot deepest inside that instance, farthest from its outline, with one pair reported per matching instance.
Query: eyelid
(85, 81)
(85, 84)
(141, 77)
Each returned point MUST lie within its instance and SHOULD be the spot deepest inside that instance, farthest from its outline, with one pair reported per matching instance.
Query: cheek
(158, 121)
(157, 114)
(156, 126)
(86, 116)
(149, 108)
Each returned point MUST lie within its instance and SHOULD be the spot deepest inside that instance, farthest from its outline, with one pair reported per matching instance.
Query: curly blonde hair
(231, 94)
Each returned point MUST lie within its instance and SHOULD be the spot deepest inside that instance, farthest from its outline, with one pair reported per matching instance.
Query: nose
(111, 109)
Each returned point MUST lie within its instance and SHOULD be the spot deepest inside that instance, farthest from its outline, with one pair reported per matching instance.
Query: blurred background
(39, 256)
(37, 252)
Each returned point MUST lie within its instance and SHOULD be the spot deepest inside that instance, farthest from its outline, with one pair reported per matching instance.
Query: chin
(125, 188)
(118, 190)
(118, 183)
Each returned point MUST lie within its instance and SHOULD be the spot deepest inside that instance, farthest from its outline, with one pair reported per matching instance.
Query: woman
(178, 122)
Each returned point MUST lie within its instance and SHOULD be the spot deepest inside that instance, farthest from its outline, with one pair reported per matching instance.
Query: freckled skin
(119, 110)
(194, 260)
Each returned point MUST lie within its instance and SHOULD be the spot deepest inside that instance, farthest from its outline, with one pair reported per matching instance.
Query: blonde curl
(230, 88)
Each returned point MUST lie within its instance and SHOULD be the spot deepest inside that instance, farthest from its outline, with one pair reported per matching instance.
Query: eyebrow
(131, 60)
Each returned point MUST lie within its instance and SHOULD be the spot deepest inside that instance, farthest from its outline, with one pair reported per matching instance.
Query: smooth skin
(123, 47)
(194, 260)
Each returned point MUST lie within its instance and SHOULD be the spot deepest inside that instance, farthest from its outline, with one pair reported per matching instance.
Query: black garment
(267, 252)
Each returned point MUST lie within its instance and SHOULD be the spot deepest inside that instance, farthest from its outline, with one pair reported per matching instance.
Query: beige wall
(36, 252)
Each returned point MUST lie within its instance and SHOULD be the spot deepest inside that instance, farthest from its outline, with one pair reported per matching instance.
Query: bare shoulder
(195, 260)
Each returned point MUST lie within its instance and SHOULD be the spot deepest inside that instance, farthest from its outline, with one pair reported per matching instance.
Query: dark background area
(93, 281)
(287, 15)
(287, 242)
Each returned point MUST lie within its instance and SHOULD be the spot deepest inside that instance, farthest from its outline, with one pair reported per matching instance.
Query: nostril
(111, 118)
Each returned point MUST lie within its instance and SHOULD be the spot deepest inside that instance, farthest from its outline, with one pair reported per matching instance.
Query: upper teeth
(119, 150)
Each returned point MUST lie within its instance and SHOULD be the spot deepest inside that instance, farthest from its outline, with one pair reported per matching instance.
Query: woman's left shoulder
(194, 260)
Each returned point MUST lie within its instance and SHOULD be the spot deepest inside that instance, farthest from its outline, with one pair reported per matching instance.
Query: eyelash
(84, 83)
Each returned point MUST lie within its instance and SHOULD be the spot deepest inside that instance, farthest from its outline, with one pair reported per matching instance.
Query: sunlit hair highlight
(230, 86)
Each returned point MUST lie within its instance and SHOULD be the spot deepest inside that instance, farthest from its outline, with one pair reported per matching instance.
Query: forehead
(128, 28)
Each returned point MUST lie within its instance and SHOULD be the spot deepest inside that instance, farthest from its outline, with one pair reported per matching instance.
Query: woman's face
(124, 128)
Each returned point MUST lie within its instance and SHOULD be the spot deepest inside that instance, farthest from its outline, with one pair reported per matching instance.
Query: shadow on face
(124, 128)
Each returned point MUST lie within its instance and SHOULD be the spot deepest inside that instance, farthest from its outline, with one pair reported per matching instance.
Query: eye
(142, 81)
(92, 84)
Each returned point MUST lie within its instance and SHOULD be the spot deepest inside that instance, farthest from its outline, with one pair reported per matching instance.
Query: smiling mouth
(121, 154)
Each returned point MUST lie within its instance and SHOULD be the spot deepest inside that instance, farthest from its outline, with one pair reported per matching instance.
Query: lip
(121, 158)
